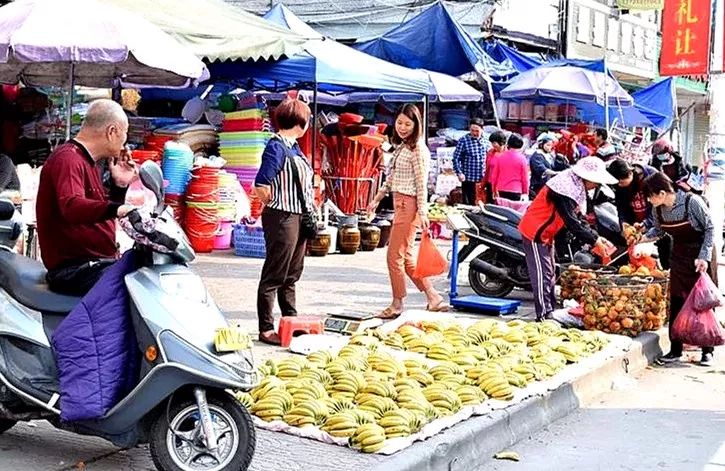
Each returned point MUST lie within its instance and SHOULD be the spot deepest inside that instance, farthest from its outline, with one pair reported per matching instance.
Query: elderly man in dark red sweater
(76, 212)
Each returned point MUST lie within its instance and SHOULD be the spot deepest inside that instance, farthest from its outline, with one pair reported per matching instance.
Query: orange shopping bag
(430, 261)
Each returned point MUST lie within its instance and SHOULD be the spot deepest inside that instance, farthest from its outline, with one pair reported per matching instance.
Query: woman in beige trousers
(407, 183)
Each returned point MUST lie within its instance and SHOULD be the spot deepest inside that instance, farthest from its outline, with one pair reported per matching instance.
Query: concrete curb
(466, 445)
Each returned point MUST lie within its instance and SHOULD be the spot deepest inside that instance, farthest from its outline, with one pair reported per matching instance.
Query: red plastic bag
(699, 328)
(706, 294)
(430, 261)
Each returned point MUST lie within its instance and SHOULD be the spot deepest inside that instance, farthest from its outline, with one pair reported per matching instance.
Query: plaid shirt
(469, 158)
(408, 174)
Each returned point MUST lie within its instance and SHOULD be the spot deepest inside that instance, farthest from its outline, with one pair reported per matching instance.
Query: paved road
(672, 418)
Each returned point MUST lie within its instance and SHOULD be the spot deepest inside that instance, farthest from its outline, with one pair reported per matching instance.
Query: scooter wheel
(486, 286)
(176, 442)
(6, 424)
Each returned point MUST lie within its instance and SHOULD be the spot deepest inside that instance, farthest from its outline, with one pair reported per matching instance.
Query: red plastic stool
(291, 325)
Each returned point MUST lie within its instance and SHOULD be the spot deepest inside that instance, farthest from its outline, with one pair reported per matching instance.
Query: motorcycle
(501, 267)
(181, 404)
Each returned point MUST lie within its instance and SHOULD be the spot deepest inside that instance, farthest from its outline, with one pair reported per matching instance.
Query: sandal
(388, 314)
(442, 306)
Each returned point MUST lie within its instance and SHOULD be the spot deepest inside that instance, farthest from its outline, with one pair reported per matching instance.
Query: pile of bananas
(368, 395)
(368, 438)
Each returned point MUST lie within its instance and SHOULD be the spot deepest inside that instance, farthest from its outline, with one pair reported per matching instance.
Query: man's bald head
(104, 130)
(103, 113)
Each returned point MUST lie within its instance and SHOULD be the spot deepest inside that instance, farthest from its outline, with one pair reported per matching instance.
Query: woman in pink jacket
(510, 179)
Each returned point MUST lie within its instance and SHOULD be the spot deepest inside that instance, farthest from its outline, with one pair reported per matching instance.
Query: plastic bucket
(223, 237)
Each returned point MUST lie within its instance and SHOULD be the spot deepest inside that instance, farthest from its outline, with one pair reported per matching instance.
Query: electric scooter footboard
(28, 369)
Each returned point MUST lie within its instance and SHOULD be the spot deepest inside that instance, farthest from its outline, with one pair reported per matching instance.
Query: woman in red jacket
(559, 204)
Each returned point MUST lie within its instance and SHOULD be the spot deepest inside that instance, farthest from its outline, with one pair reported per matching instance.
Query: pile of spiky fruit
(642, 272)
(367, 395)
(623, 305)
(632, 233)
(572, 279)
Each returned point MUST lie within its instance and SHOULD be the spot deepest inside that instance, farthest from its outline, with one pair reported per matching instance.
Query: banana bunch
(340, 364)
(387, 365)
(351, 350)
(408, 332)
(335, 406)
(456, 336)
(476, 336)
(310, 391)
(470, 395)
(268, 368)
(400, 423)
(528, 371)
(516, 379)
(452, 382)
(464, 360)
(445, 368)
(447, 402)
(412, 364)
(550, 328)
(368, 438)
(312, 412)
(516, 323)
(341, 425)
(395, 340)
(421, 376)
(496, 385)
(416, 402)
(380, 388)
(244, 399)
(318, 376)
(320, 358)
(368, 341)
(515, 335)
(346, 385)
(533, 336)
(405, 384)
(572, 351)
(273, 406)
(441, 351)
(376, 405)
(289, 368)
(499, 330)
(477, 351)
(266, 386)
(433, 326)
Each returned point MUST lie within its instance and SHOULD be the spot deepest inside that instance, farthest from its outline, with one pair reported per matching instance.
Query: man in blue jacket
(469, 160)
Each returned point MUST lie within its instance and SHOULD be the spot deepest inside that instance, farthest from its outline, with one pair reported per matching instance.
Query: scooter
(181, 405)
(501, 267)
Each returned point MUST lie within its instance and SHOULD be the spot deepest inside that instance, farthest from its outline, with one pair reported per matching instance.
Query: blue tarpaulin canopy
(509, 58)
(333, 66)
(657, 103)
(433, 40)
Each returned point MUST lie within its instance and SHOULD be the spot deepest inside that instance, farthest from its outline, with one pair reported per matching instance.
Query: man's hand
(701, 265)
(124, 209)
(123, 169)
(461, 177)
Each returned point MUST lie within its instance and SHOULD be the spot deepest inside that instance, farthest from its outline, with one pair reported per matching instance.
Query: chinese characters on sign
(685, 37)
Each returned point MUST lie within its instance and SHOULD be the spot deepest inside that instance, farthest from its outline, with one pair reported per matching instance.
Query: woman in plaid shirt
(407, 183)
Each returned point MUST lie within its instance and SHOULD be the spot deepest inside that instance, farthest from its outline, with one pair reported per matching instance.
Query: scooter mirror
(153, 178)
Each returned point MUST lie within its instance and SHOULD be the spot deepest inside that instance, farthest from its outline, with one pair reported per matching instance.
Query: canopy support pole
(606, 97)
(69, 101)
(493, 103)
(426, 110)
(313, 125)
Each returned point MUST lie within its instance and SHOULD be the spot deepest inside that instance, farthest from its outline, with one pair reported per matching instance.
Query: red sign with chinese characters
(685, 37)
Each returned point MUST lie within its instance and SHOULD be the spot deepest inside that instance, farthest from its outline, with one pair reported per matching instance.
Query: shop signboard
(640, 4)
(685, 37)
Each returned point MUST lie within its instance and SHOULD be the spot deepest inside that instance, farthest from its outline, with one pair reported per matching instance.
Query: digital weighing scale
(473, 302)
(349, 323)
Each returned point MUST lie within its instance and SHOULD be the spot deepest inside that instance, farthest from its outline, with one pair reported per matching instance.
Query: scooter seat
(24, 279)
(513, 216)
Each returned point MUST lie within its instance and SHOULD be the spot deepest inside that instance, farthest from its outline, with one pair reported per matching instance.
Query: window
(650, 44)
(626, 45)
(600, 29)
(583, 25)
(638, 40)
(613, 34)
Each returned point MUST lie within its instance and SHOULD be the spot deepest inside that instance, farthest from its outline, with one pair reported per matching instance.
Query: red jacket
(76, 215)
(542, 221)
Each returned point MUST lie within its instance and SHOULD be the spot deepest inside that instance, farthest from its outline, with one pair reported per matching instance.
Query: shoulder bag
(308, 221)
